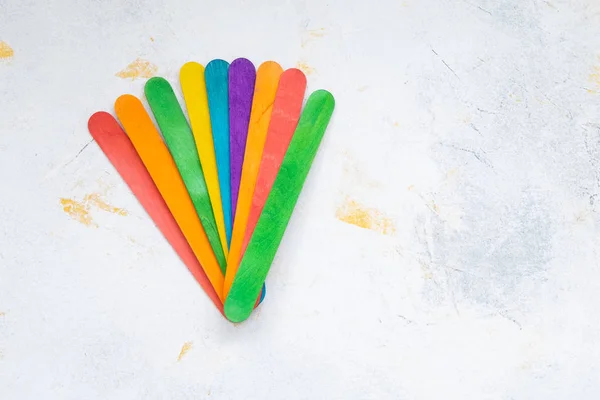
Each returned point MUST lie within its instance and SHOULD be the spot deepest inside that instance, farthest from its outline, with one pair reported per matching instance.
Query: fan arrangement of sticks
(222, 187)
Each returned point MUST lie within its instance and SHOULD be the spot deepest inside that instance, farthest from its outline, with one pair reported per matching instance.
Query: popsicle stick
(242, 76)
(280, 204)
(193, 86)
(286, 112)
(267, 79)
(160, 165)
(216, 78)
(178, 135)
(118, 149)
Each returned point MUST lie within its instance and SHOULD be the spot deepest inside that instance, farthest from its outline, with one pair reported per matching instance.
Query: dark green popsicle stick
(278, 209)
(181, 144)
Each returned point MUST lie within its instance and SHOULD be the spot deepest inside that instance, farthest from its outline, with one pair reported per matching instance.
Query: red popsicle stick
(117, 147)
(284, 119)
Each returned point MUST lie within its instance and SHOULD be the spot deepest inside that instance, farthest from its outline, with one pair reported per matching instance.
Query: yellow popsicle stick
(267, 80)
(191, 77)
(161, 166)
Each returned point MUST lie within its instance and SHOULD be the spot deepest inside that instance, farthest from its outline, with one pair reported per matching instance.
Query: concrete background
(445, 245)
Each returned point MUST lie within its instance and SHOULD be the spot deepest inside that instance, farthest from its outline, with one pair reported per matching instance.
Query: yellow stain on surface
(595, 78)
(2, 314)
(427, 274)
(433, 207)
(516, 98)
(353, 213)
(80, 210)
(77, 210)
(312, 34)
(95, 199)
(582, 216)
(187, 346)
(304, 67)
(451, 173)
(6, 51)
(138, 69)
(316, 33)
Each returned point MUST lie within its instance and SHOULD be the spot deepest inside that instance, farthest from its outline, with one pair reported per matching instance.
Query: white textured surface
(473, 125)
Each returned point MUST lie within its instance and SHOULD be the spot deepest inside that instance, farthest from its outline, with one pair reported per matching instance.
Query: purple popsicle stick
(242, 76)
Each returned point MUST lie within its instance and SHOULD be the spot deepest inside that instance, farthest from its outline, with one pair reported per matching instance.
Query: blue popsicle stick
(216, 76)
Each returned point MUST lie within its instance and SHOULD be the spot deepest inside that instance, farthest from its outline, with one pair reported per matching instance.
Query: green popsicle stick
(278, 209)
(180, 141)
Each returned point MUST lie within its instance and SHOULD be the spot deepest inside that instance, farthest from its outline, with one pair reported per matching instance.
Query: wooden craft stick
(215, 74)
(286, 112)
(121, 153)
(161, 167)
(267, 79)
(180, 141)
(280, 204)
(242, 76)
(193, 86)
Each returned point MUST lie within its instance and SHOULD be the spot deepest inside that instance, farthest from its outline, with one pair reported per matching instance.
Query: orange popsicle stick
(119, 150)
(267, 79)
(284, 119)
(164, 173)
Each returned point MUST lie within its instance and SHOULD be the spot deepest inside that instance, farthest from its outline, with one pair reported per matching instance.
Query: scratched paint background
(445, 245)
